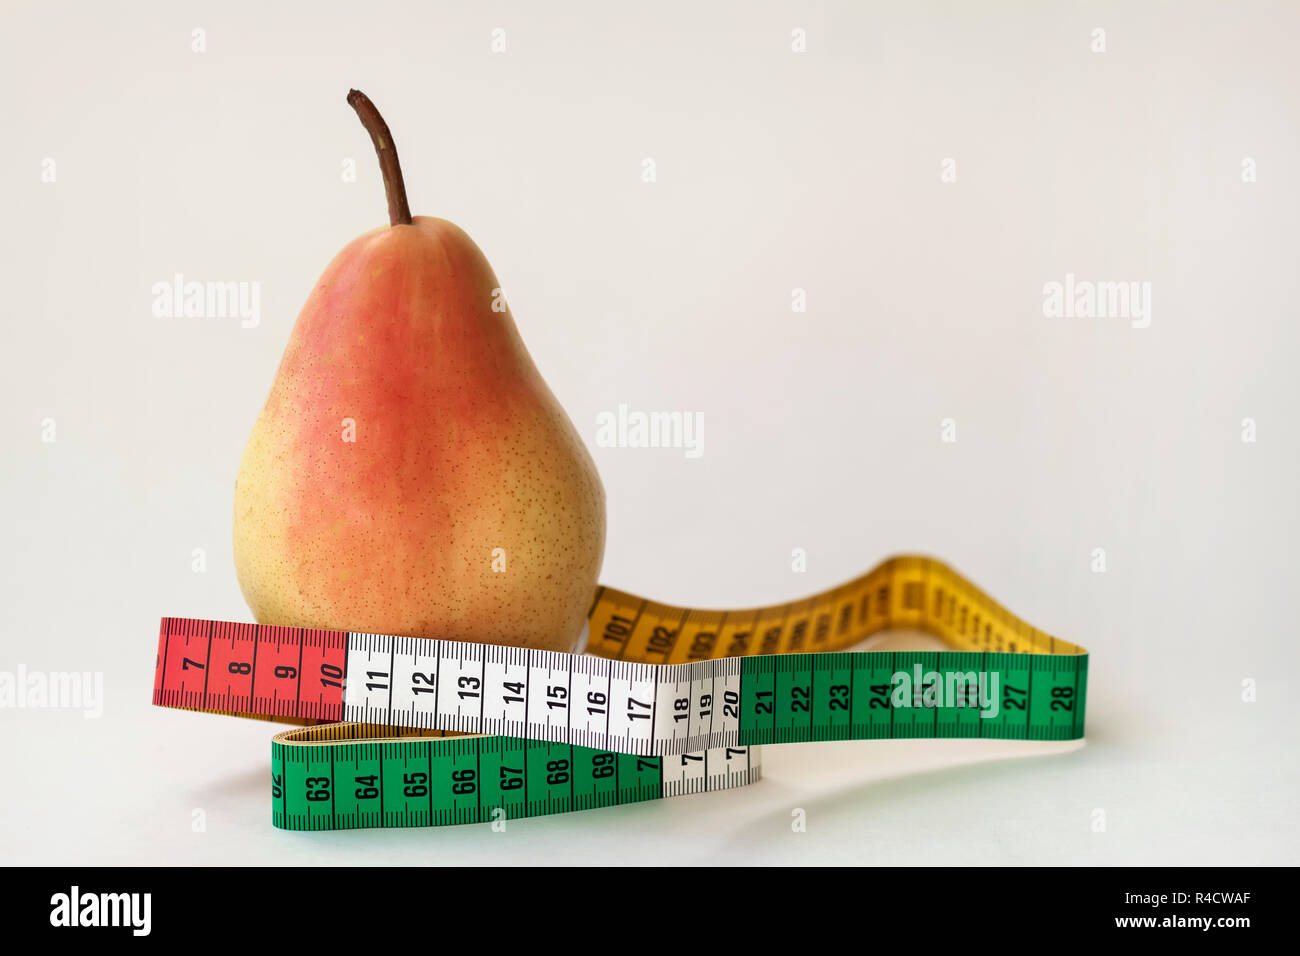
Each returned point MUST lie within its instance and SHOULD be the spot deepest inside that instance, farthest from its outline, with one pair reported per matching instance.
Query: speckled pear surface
(465, 508)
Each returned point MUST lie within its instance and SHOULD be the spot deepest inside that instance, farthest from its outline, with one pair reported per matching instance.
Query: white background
(776, 171)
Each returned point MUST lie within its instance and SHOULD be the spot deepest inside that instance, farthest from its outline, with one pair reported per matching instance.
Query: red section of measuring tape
(250, 668)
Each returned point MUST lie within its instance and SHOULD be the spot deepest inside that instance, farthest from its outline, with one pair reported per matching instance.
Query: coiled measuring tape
(665, 701)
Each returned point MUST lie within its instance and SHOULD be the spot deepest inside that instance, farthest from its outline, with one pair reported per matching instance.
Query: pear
(410, 472)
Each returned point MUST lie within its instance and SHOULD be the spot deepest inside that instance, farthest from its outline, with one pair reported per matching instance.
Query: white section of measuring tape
(719, 768)
(646, 709)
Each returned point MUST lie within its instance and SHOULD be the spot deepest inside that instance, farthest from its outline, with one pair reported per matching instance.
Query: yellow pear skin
(410, 472)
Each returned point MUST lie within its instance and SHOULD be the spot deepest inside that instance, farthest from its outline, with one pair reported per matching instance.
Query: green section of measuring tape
(793, 698)
(796, 698)
(454, 780)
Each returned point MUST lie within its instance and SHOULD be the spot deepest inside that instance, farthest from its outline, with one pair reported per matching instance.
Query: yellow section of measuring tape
(904, 592)
(352, 731)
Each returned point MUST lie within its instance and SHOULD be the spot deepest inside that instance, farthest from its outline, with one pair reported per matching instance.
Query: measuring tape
(666, 701)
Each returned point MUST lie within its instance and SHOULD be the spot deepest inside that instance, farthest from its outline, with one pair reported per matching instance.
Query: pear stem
(399, 213)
